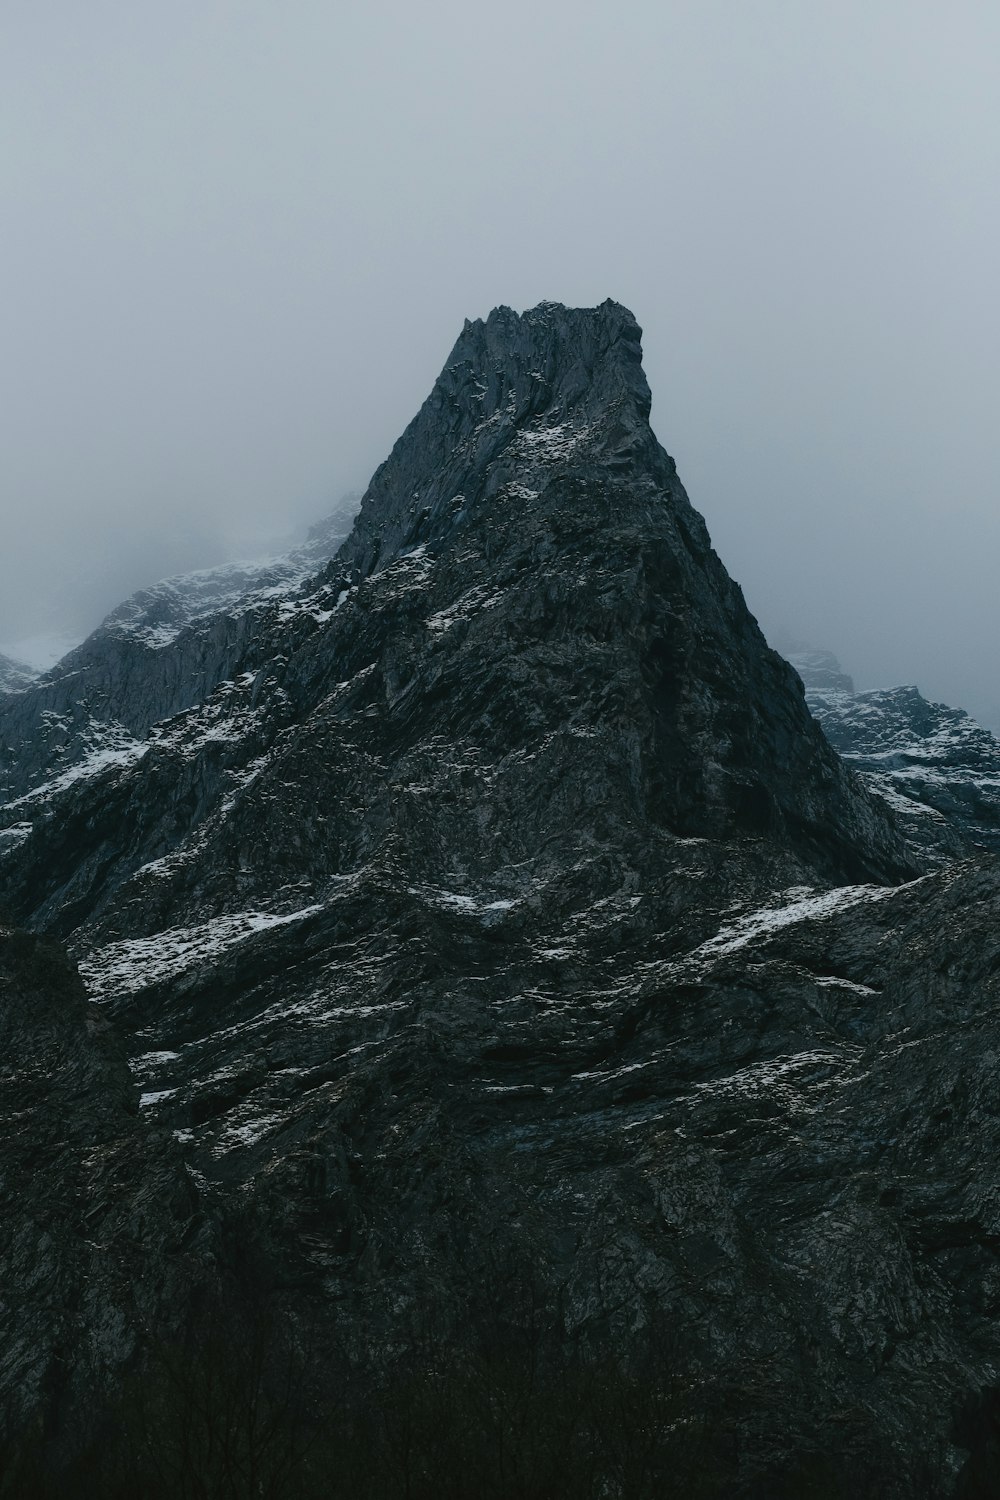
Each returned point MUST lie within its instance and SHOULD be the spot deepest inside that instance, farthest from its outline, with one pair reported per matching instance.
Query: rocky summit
(503, 1016)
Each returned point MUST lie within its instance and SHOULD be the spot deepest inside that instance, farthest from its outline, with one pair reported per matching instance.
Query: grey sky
(240, 238)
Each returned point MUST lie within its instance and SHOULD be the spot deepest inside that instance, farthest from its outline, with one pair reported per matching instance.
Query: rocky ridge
(935, 766)
(157, 615)
(158, 653)
(501, 905)
(14, 675)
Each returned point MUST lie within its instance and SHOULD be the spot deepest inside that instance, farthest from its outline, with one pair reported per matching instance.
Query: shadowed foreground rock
(98, 1216)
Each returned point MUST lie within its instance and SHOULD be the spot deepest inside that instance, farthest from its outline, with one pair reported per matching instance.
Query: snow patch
(760, 1078)
(547, 444)
(94, 764)
(458, 902)
(834, 982)
(146, 1101)
(13, 837)
(242, 779)
(247, 1133)
(769, 919)
(449, 898)
(152, 1060)
(471, 603)
(125, 968)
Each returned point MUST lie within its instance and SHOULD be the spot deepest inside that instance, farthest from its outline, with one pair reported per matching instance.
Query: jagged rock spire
(514, 392)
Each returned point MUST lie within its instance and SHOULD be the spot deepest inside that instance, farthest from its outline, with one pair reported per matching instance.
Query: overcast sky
(240, 237)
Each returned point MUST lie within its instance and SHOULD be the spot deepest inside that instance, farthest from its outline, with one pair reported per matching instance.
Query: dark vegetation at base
(508, 1406)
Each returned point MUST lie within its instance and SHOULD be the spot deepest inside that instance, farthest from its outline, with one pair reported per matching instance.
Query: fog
(240, 239)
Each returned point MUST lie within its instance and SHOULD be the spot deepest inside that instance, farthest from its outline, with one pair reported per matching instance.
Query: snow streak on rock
(126, 967)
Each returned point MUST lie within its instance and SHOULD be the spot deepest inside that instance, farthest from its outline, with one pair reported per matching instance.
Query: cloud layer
(241, 238)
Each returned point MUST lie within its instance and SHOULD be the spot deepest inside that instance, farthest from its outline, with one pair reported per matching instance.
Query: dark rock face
(99, 1218)
(500, 903)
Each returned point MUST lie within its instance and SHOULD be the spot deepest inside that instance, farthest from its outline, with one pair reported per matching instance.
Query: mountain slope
(158, 614)
(528, 586)
(157, 654)
(502, 906)
(14, 675)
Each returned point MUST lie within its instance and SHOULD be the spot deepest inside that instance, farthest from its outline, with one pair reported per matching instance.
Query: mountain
(556, 1068)
(157, 615)
(820, 671)
(935, 766)
(155, 655)
(14, 675)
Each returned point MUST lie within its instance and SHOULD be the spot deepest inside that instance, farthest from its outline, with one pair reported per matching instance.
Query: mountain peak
(571, 353)
(517, 389)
